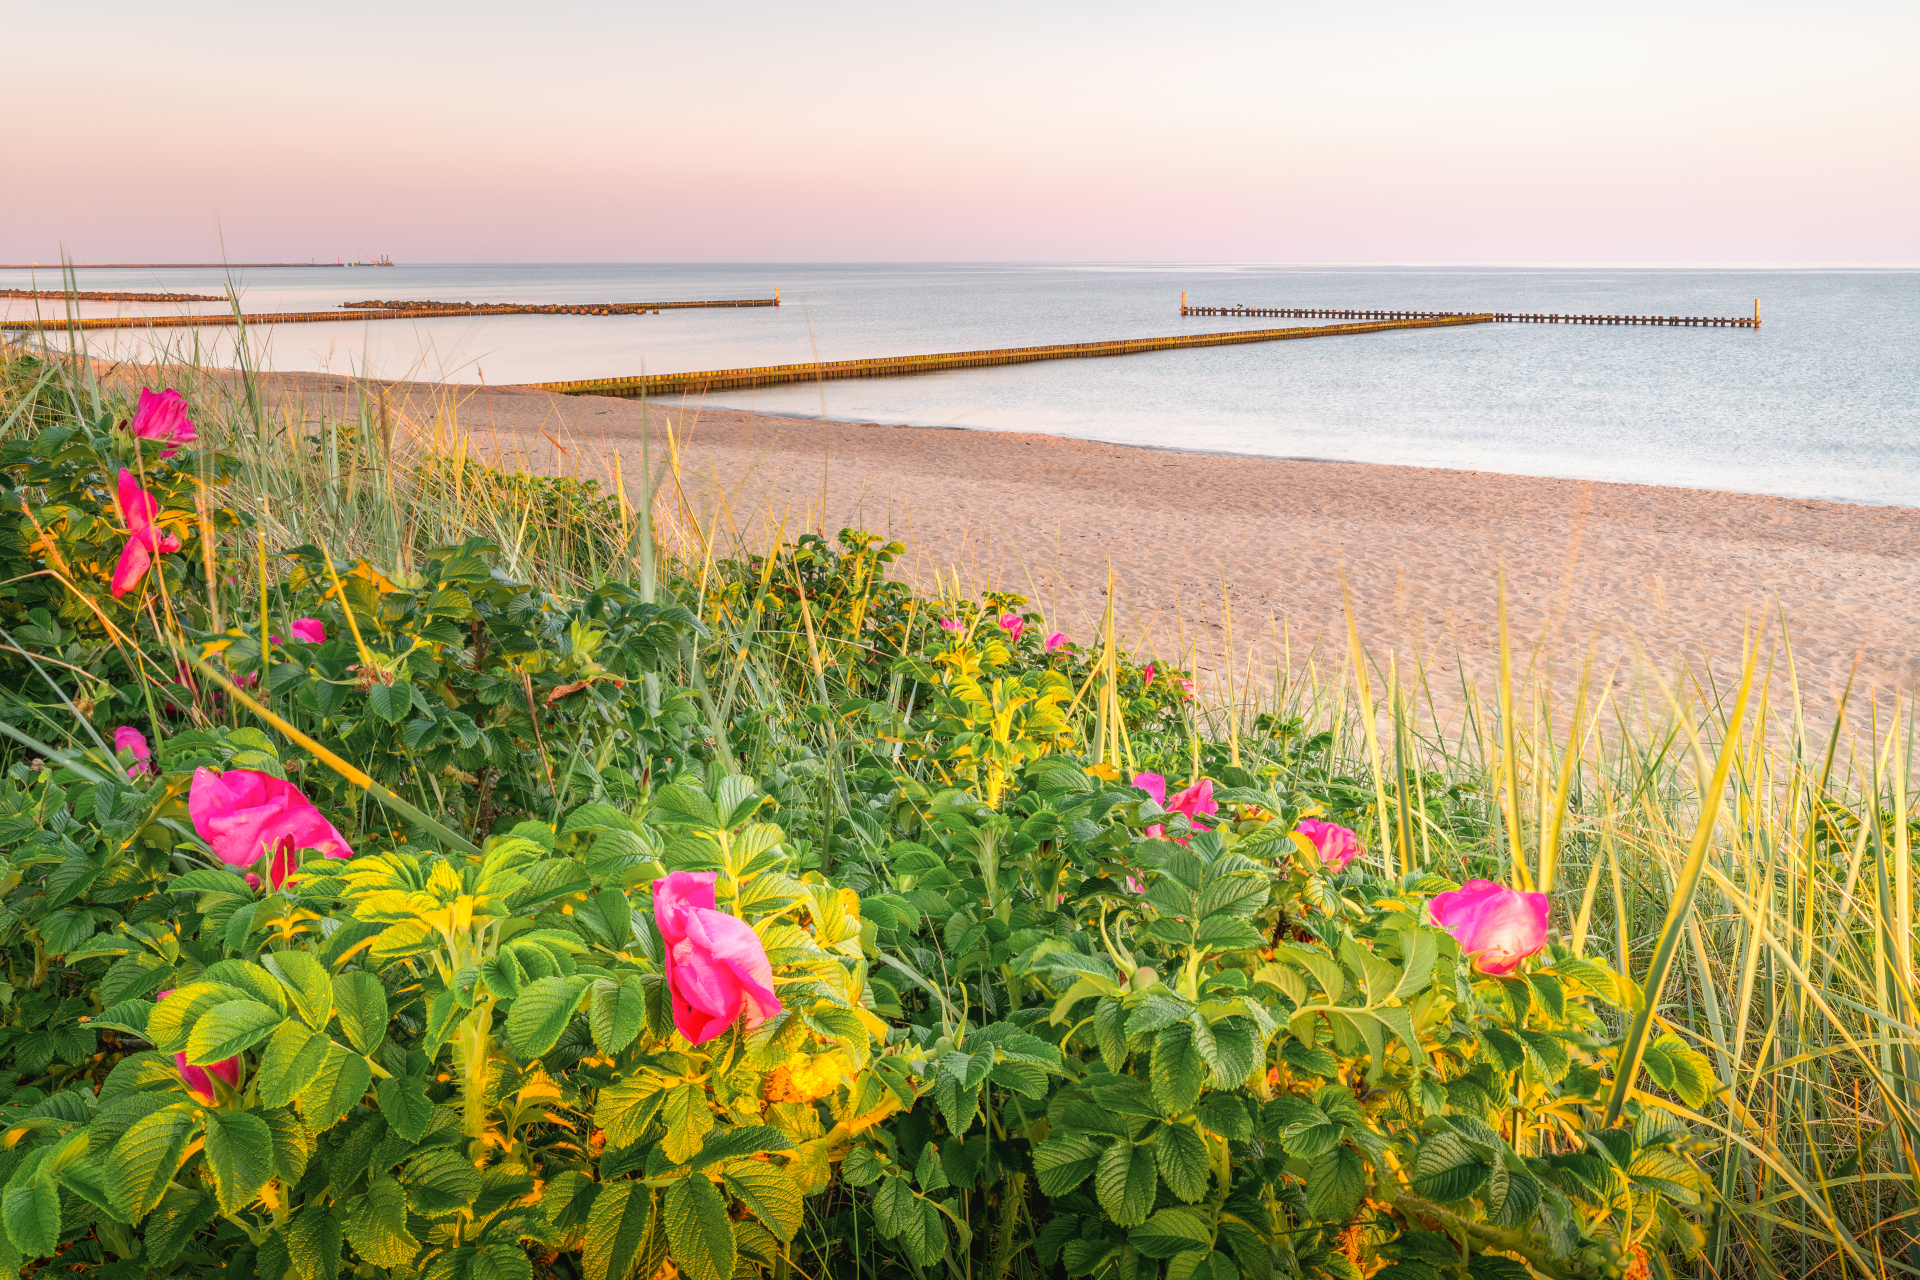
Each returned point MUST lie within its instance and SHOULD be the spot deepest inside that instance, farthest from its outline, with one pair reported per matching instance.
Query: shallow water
(1820, 402)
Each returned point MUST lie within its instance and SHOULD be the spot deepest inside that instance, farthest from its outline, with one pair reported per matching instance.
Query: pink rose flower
(163, 417)
(1336, 845)
(128, 738)
(1196, 799)
(1499, 927)
(1186, 687)
(246, 815)
(716, 967)
(308, 631)
(949, 624)
(1146, 676)
(144, 538)
(1013, 624)
(1056, 640)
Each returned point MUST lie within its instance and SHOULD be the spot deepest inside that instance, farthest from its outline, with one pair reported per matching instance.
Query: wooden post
(1756, 313)
(1183, 302)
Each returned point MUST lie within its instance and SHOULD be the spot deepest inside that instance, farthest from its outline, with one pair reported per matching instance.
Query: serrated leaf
(617, 1013)
(1335, 1184)
(1124, 1182)
(230, 1030)
(239, 1149)
(541, 1012)
(1177, 1070)
(376, 1222)
(1181, 1155)
(893, 1206)
(250, 978)
(1510, 1196)
(293, 1056)
(308, 985)
(748, 1140)
(292, 1144)
(862, 1167)
(1446, 1169)
(440, 1181)
(313, 1242)
(146, 1158)
(621, 1216)
(360, 1002)
(391, 702)
(688, 1120)
(404, 1102)
(173, 1224)
(340, 1084)
(770, 1192)
(1171, 1232)
(624, 1110)
(698, 1231)
(32, 1214)
(1064, 1162)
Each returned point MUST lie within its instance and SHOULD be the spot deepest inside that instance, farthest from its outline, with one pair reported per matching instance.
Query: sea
(1822, 401)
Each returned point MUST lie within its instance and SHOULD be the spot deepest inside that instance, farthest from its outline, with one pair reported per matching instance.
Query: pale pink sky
(1277, 131)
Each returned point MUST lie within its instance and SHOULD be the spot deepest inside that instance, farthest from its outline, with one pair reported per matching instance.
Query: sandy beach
(1590, 567)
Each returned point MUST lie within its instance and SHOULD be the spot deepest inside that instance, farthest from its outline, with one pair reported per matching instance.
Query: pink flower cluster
(145, 539)
(1194, 800)
(1499, 927)
(717, 968)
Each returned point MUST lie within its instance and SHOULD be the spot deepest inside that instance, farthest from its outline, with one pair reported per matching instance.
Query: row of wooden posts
(661, 384)
(1504, 317)
(420, 311)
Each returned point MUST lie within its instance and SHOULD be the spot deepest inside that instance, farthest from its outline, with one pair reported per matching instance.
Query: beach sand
(1590, 568)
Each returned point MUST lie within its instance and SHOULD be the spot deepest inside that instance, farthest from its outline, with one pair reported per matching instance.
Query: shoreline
(1594, 570)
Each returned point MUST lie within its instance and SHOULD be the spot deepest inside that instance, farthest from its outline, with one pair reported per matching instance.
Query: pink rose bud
(716, 967)
(1499, 927)
(1336, 845)
(1146, 676)
(163, 417)
(200, 1084)
(1013, 624)
(128, 738)
(246, 815)
(309, 631)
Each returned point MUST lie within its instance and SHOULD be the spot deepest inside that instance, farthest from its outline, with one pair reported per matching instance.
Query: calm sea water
(1822, 402)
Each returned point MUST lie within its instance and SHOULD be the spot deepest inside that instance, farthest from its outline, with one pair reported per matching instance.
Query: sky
(837, 131)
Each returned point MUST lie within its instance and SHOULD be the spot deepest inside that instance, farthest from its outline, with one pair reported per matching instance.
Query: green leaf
(181, 1214)
(1063, 1163)
(862, 1168)
(748, 1140)
(309, 986)
(376, 1223)
(338, 1086)
(617, 1013)
(1510, 1197)
(240, 1153)
(440, 1181)
(698, 1230)
(1177, 1070)
(1182, 1156)
(624, 1110)
(292, 1144)
(621, 1216)
(541, 1012)
(596, 817)
(1680, 1070)
(1548, 1054)
(313, 1242)
(1124, 1181)
(688, 1120)
(956, 1102)
(893, 1207)
(391, 702)
(32, 1214)
(250, 978)
(146, 1158)
(770, 1191)
(1335, 1183)
(1171, 1231)
(229, 1030)
(360, 1002)
(173, 1018)
(404, 1102)
(1109, 1027)
(294, 1055)
(1446, 1169)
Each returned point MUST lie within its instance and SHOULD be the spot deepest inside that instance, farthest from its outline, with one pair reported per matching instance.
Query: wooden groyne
(96, 295)
(176, 266)
(423, 312)
(1498, 317)
(565, 308)
(660, 384)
